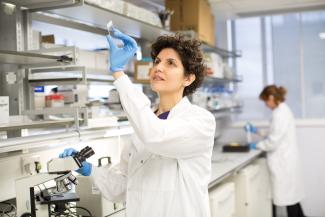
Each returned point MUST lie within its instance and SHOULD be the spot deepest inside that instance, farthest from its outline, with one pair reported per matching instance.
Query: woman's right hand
(119, 57)
(250, 128)
(85, 170)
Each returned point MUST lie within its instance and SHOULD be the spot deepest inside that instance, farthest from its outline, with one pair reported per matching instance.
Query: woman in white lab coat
(165, 172)
(282, 152)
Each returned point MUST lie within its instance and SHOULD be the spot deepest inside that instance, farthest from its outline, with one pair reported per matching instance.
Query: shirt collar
(181, 105)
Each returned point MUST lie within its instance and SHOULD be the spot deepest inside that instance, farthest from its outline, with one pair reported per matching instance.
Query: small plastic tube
(109, 27)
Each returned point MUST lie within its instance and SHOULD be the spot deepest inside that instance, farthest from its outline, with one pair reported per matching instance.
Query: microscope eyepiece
(83, 154)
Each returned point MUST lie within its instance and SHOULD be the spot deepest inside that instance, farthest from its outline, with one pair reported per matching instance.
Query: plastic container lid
(55, 97)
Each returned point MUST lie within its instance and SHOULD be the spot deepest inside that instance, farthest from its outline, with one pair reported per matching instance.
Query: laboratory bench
(226, 164)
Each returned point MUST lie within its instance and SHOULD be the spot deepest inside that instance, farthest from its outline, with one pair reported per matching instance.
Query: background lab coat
(165, 172)
(283, 158)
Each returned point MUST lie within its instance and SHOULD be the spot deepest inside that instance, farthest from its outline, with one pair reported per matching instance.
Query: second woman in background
(282, 152)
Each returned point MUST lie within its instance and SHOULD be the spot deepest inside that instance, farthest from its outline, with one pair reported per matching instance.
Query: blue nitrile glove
(252, 146)
(250, 128)
(85, 170)
(119, 57)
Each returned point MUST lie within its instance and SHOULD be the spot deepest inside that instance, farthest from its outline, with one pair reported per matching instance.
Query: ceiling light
(8, 8)
(322, 35)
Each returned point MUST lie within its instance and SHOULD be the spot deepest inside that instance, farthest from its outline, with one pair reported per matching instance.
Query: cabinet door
(252, 191)
(121, 213)
(222, 200)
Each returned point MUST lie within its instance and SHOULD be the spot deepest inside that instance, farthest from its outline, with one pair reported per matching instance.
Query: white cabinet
(264, 189)
(253, 191)
(222, 200)
(91, 198)
(121, 213)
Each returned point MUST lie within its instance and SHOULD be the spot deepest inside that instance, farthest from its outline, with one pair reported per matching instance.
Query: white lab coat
(165, 172)
(283, 158)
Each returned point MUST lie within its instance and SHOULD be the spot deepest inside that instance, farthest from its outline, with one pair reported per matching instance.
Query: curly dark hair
(190, 54)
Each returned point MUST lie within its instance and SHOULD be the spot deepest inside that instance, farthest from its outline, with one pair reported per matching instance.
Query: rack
(29, 59)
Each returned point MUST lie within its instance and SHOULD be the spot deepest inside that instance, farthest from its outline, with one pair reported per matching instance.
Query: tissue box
(4, 109)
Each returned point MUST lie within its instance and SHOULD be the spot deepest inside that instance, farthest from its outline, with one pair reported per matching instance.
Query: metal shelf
(38, 141)
(38, 5)
(224, 109)
(93, 19)
(66, 75)
(210, 79)
(76, 112)
(60, 138)
(208, 48)
(222, 52)
(29, 59)
(35, 124)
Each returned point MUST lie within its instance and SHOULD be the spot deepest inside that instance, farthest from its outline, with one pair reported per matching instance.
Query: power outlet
(30, 164)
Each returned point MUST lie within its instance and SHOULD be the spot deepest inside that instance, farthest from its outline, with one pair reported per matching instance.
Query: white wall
(311, 142)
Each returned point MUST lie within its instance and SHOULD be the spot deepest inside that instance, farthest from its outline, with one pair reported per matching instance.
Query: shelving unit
(48, 68)
(29, 59)
(92, 18)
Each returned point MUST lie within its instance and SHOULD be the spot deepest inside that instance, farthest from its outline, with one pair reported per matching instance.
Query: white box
(101, 61)
(4, 109)
(132, 10)
(214, 61)
(87, 59)
(91, 199)
(113, 5)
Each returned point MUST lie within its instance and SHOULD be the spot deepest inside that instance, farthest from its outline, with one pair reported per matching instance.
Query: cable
(83, 208)
(3, 213)
(13, 207)
(6, 211)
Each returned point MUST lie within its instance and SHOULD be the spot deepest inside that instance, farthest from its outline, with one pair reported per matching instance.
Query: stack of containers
(129, 10)
(214, 64)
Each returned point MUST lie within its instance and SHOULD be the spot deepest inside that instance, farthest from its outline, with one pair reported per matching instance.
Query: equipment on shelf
(235, 147)
(33, 193)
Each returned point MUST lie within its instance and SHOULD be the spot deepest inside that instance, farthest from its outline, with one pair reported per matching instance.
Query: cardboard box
(50, 39)
(212, 39)
(141, 71)
(192, 15)
(4, 109)
(177, 17)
